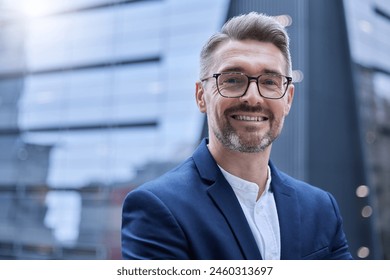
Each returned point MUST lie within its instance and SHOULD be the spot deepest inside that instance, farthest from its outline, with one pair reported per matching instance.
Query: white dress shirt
(262, 215)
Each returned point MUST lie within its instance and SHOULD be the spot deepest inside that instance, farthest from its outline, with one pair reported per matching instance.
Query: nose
(252, 94)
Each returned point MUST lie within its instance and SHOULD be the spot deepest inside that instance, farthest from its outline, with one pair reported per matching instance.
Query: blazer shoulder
(178, 178)
(305, 191)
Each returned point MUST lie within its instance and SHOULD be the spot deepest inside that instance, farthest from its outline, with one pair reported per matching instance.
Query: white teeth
(249, 118)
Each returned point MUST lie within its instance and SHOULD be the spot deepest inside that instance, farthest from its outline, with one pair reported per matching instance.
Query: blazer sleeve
(149, 230)
(339, 247)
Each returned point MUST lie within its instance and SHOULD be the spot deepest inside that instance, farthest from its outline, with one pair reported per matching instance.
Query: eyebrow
(233, 69)
(240, 69)
(268, 71)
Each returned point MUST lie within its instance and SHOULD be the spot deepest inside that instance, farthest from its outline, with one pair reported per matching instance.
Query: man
(228, 201)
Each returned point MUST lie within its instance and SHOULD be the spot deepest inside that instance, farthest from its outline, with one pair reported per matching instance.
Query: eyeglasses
(235, 84)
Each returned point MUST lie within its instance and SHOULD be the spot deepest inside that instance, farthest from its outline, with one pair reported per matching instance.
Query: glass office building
(368, 25)
(97, 97)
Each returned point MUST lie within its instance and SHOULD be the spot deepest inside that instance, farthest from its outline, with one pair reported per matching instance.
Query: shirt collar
(240, 184)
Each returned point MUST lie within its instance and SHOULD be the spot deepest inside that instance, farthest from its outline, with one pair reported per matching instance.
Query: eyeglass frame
(216, 75)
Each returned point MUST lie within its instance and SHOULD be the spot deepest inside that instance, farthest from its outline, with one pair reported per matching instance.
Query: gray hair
(255, 26)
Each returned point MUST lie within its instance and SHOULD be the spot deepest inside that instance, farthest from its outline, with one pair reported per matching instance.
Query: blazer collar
(205, 163)
(224, 198)
(288, 212)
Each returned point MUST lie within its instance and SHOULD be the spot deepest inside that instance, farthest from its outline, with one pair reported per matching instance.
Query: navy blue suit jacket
(192, 212)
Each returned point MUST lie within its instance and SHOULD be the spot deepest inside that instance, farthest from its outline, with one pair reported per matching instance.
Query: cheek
(215, 113)
(214, 103)
(279, 111)
(281, 108)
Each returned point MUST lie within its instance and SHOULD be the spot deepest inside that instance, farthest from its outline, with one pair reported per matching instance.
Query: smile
(250, 118)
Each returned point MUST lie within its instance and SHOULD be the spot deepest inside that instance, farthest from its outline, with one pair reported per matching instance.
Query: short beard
(230, 139)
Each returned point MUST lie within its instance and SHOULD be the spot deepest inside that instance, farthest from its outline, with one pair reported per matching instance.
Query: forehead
(249, 56)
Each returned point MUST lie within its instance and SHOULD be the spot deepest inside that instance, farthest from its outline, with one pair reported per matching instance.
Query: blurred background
(97, 97)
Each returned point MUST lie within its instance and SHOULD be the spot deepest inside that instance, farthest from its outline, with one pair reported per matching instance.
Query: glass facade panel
(94, 36)
(99, 96)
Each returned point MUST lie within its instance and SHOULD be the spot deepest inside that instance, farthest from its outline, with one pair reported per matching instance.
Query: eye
(271, 81)
(232, 79)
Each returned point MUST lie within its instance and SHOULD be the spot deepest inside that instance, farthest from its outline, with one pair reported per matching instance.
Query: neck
(252, 167)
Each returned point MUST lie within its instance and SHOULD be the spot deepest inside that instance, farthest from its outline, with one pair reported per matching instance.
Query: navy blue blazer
(192, 212)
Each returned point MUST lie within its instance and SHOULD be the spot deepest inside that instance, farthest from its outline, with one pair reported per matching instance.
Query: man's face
(250, 123)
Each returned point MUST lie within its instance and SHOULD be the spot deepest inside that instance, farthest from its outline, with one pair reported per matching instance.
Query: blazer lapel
(288, 213)
(225, 199)
(223, 196)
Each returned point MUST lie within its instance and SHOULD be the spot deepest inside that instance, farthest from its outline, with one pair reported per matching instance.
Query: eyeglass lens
(236, 84)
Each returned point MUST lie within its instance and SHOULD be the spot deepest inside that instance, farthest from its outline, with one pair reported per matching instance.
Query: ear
(199, 97)
(290, 97)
